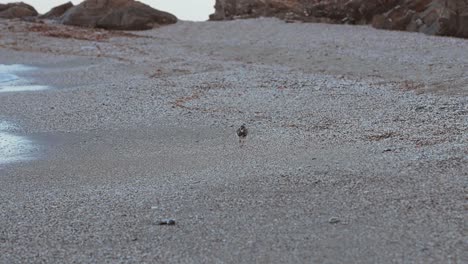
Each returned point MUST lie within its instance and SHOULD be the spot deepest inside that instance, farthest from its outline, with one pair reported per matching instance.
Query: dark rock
(32, 19)
(57, 11)
(17, 10)
(167, 222)
(116, 14)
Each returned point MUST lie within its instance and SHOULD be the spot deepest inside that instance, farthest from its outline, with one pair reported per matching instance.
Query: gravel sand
(357, 148)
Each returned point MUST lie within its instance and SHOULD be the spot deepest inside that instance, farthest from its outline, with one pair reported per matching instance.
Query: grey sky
(196, 10)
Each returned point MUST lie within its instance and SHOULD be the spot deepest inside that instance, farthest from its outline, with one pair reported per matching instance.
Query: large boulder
(57, 11)
(116, 14)
(17, 10)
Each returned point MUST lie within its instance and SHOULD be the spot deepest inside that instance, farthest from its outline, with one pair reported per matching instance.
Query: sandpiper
(242, 133)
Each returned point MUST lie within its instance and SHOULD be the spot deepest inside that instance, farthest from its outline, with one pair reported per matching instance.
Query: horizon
(192, 10)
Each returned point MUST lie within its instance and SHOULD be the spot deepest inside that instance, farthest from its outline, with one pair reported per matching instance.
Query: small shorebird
(242, 133)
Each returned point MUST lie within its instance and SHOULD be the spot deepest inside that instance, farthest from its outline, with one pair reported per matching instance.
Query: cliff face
(435, 17)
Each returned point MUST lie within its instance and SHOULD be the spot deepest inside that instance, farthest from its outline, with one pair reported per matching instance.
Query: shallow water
(23, 88)
(12, 68)
(14, 148)
(7, 77)
(10, 82)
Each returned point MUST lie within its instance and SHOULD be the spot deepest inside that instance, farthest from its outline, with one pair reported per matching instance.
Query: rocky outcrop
(17, 10)
(57, 11)
(441, 17)
(116, 14)
(304, 10)
(435, 17)
(230, 9)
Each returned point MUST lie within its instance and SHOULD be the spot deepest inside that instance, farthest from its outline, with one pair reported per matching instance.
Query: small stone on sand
(167, 222)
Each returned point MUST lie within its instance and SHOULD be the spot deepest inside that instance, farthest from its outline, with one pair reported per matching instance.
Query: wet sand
(357, 150)
(14, 147)
(11, 82)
